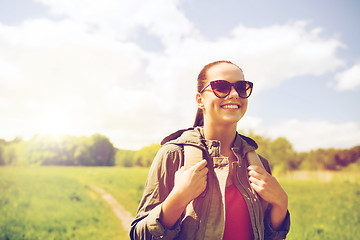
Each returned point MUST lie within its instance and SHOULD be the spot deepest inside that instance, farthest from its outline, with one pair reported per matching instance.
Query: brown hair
(201, 81)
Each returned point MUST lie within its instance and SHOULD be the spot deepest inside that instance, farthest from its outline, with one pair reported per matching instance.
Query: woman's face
(228, 110)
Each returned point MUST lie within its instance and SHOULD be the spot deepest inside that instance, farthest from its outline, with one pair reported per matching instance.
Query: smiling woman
(193, 202)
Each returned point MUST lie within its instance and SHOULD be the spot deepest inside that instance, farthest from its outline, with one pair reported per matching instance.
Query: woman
(222, 196)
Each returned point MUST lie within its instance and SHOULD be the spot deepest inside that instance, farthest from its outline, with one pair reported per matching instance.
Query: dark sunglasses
(222, 88)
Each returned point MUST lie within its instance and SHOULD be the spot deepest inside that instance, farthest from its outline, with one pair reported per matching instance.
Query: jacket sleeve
(269, 232)
(159, 183)
(273, 234)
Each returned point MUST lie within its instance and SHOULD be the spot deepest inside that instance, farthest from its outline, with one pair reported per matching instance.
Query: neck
(223, 133)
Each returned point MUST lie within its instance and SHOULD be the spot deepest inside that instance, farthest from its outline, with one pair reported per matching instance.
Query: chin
(231, 121)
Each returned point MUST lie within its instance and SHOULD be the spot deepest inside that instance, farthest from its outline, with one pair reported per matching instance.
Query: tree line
(65, 150)
(97, 150)
(283, 157)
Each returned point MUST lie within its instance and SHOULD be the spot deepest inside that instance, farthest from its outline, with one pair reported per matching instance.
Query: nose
(233, 92)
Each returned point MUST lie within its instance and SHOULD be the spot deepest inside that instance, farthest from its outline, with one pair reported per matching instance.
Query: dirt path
(122, 214)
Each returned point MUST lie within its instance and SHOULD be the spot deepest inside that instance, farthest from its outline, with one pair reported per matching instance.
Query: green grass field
(57, 203)
(324, 206)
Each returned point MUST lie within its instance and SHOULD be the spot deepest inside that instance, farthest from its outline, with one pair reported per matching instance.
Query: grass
(125, 184)
(57, 203)
(324, 207)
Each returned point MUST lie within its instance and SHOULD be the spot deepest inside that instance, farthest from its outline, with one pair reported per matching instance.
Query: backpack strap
(254, 159)
(192, 156)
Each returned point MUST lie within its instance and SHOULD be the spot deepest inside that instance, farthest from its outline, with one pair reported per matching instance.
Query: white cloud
(249, 123)
(349, 79)
(311, 135)
(86, 69)
(268, 56)
(120, 18)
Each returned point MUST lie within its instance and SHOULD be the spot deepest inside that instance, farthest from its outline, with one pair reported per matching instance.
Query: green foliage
(2, 160)
(346, 157)
(282, 154)
(145, 155)
(95, 150)
(282, 157)
(14, 153)
(103, 150)
(125, 158)
(320, 159)
(141, 158)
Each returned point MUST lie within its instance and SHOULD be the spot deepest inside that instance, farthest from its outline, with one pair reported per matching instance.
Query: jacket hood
(194, 137)
(190, 136)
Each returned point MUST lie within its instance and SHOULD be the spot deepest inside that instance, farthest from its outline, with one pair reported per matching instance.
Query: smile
(230, 106)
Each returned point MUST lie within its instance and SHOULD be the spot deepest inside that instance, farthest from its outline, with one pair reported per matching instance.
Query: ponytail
(199, 119)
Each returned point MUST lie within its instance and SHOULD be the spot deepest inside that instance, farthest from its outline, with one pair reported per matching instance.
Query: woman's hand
(190, 183)
(267, 186)
(270, 190)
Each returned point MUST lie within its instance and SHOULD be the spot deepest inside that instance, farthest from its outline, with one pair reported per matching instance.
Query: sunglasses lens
(221, 88)
(244, 88)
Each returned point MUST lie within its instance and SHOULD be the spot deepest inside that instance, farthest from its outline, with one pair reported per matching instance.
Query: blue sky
(127, 69)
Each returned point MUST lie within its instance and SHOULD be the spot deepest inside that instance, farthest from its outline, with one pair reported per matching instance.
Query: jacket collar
(195, 137)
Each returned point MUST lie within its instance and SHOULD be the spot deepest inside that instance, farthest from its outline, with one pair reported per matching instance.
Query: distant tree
(97, 150)
(67, 149)
(320, 159)
(14, 153)
(9, 155)
(301, 158)
(2, 160)
(42, 149)
(279, 152)
(145, 155)
(83, 155)
(103, 150)
(282, 154)
(328, 159)
(348, 156)
(125, 158)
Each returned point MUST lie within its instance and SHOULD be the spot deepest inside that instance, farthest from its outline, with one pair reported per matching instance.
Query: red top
(237, 218)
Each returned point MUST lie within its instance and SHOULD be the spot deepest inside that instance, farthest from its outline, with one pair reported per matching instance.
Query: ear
(200, 101)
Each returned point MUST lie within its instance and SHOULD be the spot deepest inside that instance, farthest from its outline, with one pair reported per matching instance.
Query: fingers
(256, 181)
(256, 187)
(256, 174)
(202, 164)
(204, 171)
(199, 166)
(257, 169)
(258, 177)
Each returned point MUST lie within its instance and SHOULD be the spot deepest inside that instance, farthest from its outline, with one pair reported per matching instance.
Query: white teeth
(230, 106)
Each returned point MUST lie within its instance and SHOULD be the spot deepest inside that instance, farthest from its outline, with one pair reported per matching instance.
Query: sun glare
(53, 124)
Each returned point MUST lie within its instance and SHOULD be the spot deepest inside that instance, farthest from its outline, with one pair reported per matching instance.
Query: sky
(127, 69)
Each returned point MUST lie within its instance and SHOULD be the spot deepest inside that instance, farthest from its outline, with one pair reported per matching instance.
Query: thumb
(181, 169)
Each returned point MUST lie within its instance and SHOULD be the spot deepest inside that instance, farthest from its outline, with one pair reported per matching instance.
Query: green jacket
(204, 217)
